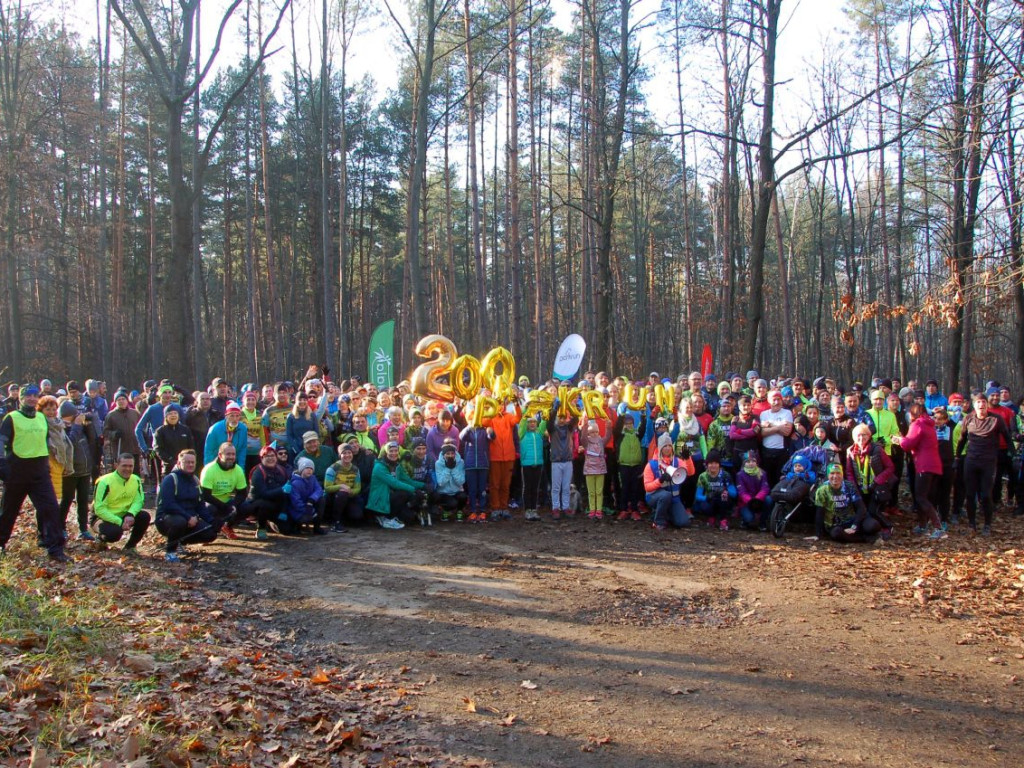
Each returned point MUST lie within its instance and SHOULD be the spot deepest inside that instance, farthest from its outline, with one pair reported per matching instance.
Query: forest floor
(570, 643)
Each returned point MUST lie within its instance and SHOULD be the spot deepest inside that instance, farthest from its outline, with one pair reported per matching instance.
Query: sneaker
(592, 515)
(391, 523)
(918, 530)
(723, 525)
(273, 526)
(446, 516)
(228, 531)
(598, 514)
(712, 522)
(513, 504)
(495, 515)
(261, 534)
(532, 516)
(172, 557)
(58, 557)
(556, 514)
(130, 551)
(659, 526)
(636, 516)
(570, 512)
(505, 514)
(986, 530)
(623, 515)
(938, 534)
(460, 517)
(339, 528)
(86, 536)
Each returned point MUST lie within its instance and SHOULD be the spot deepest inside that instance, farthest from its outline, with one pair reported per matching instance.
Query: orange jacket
(652, 482)
(503, 445)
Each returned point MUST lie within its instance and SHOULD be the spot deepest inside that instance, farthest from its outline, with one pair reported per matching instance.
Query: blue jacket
(267, 484)
(475, 447)
(296, 427)
(180, 495)
(450, 481)
(531, 444)
(152, 419)
(306, 492)
(219, 434)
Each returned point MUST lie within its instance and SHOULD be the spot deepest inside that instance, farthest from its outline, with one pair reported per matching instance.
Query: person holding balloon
(595, 465)
(502, 450)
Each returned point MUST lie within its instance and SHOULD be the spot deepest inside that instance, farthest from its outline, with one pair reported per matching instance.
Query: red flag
(707, 361)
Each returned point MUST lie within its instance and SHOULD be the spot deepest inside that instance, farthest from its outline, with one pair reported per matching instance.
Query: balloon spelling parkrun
(446, 375)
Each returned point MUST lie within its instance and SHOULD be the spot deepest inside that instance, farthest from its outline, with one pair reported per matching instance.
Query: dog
(575, 500)
(425, 517)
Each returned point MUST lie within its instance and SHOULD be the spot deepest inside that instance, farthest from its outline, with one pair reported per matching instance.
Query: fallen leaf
(470, 705)
(681, 691)
(291, 762)
(270, 746)
(528, 684)
(130, 749)
(509, 720)
(320, 678)
(752, 669)
(39, 758)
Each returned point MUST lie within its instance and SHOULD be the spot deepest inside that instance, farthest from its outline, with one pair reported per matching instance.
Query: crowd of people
(317, 456)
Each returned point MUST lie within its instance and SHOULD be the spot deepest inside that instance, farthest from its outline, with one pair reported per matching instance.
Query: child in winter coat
(531, 461)
(595, 467)
(306, 497)
(716, 493)
(630, 453)
(475, 442)
(752, 491)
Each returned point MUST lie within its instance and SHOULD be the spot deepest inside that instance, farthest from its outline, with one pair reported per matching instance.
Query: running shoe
(172, 557)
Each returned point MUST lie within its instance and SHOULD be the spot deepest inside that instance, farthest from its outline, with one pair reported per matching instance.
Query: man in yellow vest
(25, 469)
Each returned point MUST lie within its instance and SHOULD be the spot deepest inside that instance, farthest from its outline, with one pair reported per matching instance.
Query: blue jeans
(561, 479)
(476, 488)
(668, 508)
(755, 514)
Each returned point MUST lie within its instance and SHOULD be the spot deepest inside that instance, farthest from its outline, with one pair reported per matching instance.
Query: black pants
(264, 510)
(31, 478)
(978, 480)
(612, 489)
(453, 501)
(532, 478)
(631, 487)
(941, 492)
(1004, 466)
(75, 486)
(111, 532)
(772, 462)
(404, 506)
(346, 508)
(176, 528)
(924, 482)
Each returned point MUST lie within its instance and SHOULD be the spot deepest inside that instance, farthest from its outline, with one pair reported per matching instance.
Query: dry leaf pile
(113, 661)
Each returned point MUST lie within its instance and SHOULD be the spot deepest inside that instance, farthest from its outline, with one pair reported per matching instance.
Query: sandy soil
(581, 643)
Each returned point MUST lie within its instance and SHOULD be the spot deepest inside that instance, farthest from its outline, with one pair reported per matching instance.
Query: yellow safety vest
(29, 436)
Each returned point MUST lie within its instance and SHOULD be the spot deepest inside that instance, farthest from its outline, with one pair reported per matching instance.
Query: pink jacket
(922, 442)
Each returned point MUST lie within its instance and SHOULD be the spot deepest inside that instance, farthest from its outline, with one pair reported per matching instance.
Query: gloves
(287, 487)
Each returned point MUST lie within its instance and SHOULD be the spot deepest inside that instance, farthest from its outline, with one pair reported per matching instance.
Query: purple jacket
(436, 437)
(749, 487)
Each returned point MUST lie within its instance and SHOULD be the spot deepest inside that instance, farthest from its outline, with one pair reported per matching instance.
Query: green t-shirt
(275, 419)
(222, 484)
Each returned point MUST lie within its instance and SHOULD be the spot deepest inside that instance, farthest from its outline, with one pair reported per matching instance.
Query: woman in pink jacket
(921, 441)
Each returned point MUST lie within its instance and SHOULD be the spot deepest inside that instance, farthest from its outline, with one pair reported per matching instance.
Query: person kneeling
(394, 496)
(117, 507)
(840, 512)
(450, 473)
(343, 481)
(662, 481)
(716, 492)
(181, 514)
(307, 498)
(268, 500)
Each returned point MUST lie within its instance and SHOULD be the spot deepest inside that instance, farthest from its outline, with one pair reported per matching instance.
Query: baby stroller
(794, 496)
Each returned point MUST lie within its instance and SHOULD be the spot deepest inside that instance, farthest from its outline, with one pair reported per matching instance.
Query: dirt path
(583, 644)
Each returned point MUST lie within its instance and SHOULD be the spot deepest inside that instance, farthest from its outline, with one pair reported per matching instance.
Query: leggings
(561, 480)
(978, 480)
(631, 487)
(595, 492)
(533, 476)
(926, 512)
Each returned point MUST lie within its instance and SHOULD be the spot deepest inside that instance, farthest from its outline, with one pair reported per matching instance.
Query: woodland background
(169, 209)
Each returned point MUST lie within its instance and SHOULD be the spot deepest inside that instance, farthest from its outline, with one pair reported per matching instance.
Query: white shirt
(776, 440)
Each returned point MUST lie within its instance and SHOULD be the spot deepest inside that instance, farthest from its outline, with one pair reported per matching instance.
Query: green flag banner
(381, 364)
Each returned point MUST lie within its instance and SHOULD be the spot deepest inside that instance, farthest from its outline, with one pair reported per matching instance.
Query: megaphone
(678, 475)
